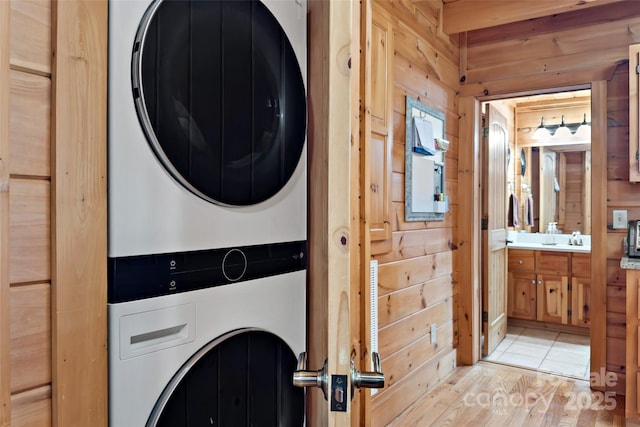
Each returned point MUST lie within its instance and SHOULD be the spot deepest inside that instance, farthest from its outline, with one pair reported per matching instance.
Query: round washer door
(220, 97)
(244, 378)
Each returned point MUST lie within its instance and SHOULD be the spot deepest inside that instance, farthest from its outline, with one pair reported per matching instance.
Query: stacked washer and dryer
(207, 212)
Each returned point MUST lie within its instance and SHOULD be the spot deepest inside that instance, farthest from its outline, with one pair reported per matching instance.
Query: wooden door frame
(5, 319)
(469, 312)
(334, 217)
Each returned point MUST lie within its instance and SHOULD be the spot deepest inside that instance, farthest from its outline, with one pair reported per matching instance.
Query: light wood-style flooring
(490, 394)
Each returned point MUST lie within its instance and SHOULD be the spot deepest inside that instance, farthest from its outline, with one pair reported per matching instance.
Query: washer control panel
(147, 276)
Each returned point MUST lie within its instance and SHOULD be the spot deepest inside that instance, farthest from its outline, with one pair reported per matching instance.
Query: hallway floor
(560, 353)
(495, 395)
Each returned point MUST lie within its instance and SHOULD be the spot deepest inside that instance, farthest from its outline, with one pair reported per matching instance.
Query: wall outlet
(619, 219)
(433, 334)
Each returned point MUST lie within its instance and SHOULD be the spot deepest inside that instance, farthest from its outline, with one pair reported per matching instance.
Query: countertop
(542, 242)
(630, 263)
(558, 247)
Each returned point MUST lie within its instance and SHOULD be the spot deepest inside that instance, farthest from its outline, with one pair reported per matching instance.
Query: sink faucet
(575, 239)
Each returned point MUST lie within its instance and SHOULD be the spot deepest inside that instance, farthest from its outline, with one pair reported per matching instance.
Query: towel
(528, 208)
(513, 217)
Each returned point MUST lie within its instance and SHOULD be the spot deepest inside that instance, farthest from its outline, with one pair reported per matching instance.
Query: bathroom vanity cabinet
(547, 286)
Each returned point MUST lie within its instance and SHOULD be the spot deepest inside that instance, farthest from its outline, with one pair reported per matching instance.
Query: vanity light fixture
(541, 131)
(563, 131)
(584, 130)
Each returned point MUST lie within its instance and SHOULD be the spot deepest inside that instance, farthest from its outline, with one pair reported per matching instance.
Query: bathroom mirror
(551, 175)
(561, 187)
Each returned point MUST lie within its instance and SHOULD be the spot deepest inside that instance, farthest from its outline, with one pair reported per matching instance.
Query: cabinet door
(522, 295)
(580, 301)
(553, 293)
(379, 128)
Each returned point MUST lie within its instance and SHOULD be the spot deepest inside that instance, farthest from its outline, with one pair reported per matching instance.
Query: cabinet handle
(533, 282)
(539, 282)
(520, 262)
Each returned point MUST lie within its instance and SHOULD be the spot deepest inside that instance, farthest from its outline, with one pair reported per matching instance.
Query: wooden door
(553, 298)
(494, 249)
(522, 293)
(333, 85)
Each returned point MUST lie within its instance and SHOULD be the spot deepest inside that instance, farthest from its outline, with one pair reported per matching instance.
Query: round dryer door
(241, 379)
(220, 97)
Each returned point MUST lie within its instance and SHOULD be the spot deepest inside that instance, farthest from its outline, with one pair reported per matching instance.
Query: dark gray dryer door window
(220, 96)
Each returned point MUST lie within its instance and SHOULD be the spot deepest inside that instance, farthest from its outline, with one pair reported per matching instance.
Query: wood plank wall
(30, 212)
(562, 52)
(53, 276)
(417, 276)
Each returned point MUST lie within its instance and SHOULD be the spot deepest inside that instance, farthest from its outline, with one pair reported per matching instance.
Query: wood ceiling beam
(466, 15)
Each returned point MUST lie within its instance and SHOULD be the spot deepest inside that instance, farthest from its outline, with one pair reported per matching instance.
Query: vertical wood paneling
(79, 237)
(5, 379)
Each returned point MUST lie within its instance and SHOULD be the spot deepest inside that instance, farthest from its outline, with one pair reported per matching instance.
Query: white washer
(161, 178)
(157, 340)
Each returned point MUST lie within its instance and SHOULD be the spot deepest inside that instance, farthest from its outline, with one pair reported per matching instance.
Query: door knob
(304, 378)
(373, 379)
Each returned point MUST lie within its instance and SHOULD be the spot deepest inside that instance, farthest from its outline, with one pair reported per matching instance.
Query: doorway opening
(536, 232)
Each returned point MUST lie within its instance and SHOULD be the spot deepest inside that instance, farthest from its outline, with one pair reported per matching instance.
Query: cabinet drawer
(581, 265)
(521, 260)
(557, 262)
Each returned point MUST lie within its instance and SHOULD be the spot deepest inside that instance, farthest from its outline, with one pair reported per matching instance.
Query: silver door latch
(373, 379)
(304, 378)
(320, 379)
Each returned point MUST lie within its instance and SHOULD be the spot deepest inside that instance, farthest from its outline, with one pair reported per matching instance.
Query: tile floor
(560, 353)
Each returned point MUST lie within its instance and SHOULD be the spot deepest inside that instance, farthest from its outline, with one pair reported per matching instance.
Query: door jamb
(469, 313)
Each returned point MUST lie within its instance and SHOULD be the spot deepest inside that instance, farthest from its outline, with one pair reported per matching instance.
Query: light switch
(619, 219)
(434, 339)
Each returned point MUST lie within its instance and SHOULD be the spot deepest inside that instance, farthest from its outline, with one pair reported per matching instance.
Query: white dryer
(207, 212)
